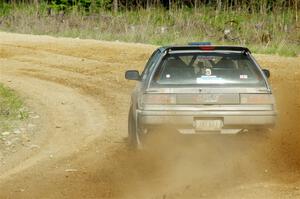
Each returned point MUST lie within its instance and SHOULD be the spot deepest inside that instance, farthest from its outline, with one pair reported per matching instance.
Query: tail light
(257, 99)
(207, 48)
(156, 99)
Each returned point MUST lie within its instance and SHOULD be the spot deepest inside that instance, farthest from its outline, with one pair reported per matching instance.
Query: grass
(12, 109)
(274, 32)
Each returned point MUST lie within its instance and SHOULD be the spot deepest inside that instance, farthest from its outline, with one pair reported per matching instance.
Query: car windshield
(208, 68)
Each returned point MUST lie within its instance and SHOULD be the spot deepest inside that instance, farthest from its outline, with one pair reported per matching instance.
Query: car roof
(204, 48)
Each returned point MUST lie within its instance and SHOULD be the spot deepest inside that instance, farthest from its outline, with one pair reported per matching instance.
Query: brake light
(156, 99)
(257, 99)
(207, 48)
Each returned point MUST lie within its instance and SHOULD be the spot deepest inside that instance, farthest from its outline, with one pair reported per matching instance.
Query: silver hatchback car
(200, 89)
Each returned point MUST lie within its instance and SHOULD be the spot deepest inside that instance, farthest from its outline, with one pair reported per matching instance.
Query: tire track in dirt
(70, 120)
(90, 74)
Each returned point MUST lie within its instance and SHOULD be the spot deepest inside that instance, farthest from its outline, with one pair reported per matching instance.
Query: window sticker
(243, 76)
(209, 80)
(208, 72)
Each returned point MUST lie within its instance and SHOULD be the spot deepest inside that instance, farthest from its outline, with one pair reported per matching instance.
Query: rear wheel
(145, 138)
(133, 136)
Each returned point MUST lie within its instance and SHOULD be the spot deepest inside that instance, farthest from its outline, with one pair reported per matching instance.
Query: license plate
(208, 125)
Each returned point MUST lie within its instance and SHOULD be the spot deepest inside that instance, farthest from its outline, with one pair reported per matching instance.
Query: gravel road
(77, 88)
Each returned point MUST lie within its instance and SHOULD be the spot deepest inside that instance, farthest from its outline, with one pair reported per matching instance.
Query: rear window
(207, 68)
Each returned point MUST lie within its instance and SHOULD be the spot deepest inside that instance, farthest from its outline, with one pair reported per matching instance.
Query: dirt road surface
(77, 88)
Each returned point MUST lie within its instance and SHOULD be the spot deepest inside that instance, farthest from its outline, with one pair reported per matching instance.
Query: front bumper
(185, 119)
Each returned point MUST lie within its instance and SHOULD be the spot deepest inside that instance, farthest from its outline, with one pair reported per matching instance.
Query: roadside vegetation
(263, 26)
(12, 110)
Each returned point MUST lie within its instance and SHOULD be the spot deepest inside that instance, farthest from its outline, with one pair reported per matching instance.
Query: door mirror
(132, 75)
(266, 72)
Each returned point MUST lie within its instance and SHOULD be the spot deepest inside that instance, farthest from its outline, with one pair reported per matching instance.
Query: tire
(132, 132)
(152, 139)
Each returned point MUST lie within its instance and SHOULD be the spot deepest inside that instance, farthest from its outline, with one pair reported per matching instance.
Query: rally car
(200, 89)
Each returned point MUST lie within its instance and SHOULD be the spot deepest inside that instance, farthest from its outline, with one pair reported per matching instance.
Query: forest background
(265, 26)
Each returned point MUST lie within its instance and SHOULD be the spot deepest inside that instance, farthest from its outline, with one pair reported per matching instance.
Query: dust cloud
(263, 165)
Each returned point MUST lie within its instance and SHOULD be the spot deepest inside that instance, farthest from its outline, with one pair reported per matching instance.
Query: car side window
(151, 62)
